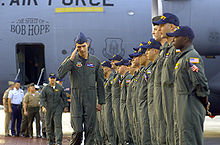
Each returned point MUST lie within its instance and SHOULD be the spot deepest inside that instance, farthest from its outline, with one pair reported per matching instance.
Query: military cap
(127, 64)
(153, 44)
(10, 83)
(52, 75)
(17, 81)
(156, 18)
(168, 18)
(81, 38)
(31, 84)
(141, 51)
(59, 79)
(129, 58)
(122, 62)
(116, 57)
(107, 64)
(184, 31)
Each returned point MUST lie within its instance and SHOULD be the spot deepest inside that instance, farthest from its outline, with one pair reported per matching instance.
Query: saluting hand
(99, 107)
(73, 54)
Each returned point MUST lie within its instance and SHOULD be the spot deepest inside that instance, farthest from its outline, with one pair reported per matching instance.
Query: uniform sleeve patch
(167, 55)
(79, 64)
(177, 65)
(178, 50)
(148, 72)
(128, 81)
(194, 60)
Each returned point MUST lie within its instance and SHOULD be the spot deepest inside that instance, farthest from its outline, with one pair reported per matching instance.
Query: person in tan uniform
(5, 103)
(31, 109)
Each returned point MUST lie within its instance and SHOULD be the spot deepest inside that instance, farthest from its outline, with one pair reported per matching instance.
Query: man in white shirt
(15, 98)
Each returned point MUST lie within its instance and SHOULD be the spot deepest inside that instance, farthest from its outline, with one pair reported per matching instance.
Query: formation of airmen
(157, 96)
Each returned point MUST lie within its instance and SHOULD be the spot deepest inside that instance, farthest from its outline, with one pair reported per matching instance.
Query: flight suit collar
(191, 47)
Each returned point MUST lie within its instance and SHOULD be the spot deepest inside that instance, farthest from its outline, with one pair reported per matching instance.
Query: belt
(16, 104)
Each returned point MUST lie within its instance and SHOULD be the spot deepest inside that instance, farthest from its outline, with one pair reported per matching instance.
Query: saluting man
(87, 83)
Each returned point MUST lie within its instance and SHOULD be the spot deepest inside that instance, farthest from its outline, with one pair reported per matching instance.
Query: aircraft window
(30, 58)
(64, 52)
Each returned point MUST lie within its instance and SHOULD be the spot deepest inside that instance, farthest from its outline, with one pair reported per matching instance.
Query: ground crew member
(125, 80)
(108, 114)
(7, 113)
(53, 102)
(168, 21)
(116, 90)
(142, 110)
(190, 88)
(42, 117)
(87, 79)
(153, 50)
(15, 98)
(167, 24)
(31, 105)
(24, 124)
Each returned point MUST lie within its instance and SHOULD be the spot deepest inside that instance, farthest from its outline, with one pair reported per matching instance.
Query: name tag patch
(90, 65)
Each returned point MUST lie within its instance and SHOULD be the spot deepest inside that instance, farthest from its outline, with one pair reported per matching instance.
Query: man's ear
(173, 27)
(87, 43)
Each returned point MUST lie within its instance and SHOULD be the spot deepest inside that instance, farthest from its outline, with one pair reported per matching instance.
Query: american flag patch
(178, 50)
(128, 81)
(90, 65)
(193, 67)
(145, 77)
(148, 72)
(194, 60)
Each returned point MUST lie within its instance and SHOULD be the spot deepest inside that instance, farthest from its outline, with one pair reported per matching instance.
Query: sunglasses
(83, 46)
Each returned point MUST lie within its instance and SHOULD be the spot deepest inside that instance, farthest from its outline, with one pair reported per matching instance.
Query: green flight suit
(108, 114)
(189, 87)
(143, 108)
(167, 85)
(116, 91)
(150, 74)
(130, 107)
(87, 83)
(157, 95)
(54, 100)
(126, 79)
(98, 137)
(136, 101)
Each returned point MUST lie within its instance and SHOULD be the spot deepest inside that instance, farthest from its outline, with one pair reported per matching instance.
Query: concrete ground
(211, 134)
